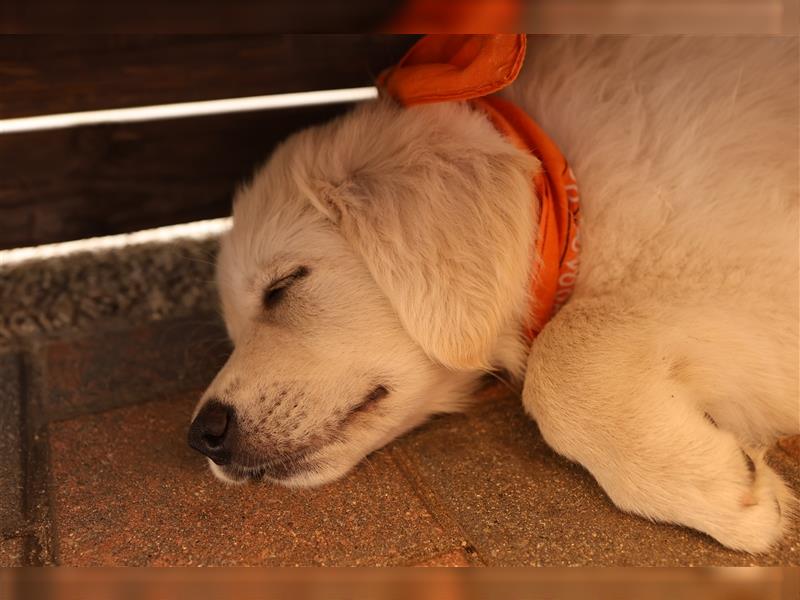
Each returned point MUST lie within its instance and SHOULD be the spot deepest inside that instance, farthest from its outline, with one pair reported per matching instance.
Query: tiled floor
(10, 444)
(96, 471)
(144, 497)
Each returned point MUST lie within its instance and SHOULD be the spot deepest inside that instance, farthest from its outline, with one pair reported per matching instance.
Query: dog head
(376, 267)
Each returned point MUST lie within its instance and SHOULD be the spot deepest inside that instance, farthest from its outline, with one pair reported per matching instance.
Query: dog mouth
(274, 470)
(277, 470)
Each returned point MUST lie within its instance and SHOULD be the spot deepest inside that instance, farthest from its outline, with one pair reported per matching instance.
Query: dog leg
(601, 384)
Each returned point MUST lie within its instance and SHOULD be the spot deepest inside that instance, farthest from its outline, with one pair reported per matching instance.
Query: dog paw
(754, 508)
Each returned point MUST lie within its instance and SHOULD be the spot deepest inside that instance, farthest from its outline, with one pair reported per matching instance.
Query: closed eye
(276, 291)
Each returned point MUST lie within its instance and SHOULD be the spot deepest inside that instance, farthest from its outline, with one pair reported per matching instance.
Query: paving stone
(11, 398)
(112, 368)
(11, 552)
(455, 558)
(519, 503)
(128, 491)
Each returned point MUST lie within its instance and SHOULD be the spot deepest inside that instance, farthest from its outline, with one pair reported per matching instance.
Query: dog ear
(438, 204)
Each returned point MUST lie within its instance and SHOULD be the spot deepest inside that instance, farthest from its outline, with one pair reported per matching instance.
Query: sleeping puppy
(379, 265)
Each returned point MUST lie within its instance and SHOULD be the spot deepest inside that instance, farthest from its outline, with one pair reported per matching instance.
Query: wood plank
(195, 16)
(56, 74)
(74, 183)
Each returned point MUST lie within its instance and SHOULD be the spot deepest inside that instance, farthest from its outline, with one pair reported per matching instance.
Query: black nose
(211, 431)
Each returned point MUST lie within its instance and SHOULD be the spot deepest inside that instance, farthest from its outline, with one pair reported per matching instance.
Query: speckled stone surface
(474, 489)
(127, 490)
(455, 558)
(11, 552)
(125, 365)
(11, 383)
(135, 284)
(520, 504)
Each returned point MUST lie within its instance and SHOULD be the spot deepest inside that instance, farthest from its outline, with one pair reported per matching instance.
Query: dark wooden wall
(196, 16)
(65, 184)
(66, 73)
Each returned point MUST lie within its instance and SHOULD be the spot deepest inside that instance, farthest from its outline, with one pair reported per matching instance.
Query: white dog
(378, 265)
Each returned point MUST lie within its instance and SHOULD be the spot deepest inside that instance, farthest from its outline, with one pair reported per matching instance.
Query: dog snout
(212, 430)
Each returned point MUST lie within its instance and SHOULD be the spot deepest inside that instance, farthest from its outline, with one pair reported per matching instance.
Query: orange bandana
(446, 68)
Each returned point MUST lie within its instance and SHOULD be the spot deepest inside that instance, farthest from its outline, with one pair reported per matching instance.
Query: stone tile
(127, 490)
(518, 503)
(11, 481)
(118, 367)
(455, 558)
(11, 552)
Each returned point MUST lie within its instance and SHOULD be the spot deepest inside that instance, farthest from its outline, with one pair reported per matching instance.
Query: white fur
(416, 226)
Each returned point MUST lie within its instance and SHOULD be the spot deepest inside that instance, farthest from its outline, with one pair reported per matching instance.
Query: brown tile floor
(111, 481)
(519, 504)
(11, 552)
(11, 392)
(126, 365)
(129, 491)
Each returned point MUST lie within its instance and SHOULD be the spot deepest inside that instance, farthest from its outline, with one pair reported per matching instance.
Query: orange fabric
(444, 68)
(447, 16)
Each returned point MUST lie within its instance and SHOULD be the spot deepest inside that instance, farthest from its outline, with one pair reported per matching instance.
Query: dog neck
(557, 204)
(442, 68)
